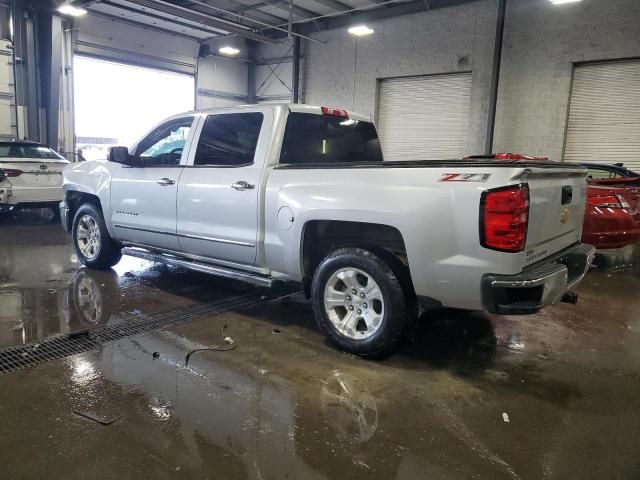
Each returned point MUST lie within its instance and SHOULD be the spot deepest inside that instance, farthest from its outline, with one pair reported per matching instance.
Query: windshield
(15, 150)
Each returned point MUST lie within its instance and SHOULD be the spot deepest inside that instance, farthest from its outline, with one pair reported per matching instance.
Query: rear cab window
(325, 139)
(28, 151)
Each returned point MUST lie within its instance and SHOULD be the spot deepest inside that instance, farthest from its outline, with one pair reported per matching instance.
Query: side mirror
(3, 176)
(120, 155)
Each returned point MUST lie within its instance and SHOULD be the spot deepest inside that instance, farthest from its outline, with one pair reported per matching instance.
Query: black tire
(398, 314)
(109, 253)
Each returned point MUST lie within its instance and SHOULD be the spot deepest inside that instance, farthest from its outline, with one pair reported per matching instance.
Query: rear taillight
(335, 112)
(606, 199)
(10, 172)
(504, 218)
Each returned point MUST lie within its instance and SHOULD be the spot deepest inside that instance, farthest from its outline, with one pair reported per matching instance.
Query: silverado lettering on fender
(294, 193)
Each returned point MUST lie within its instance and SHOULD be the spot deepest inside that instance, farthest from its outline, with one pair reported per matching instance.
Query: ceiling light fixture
(560, 2)
(229, 51)
(360, 30)
(68, 9)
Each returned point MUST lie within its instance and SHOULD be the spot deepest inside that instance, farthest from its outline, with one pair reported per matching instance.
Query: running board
(200, 267)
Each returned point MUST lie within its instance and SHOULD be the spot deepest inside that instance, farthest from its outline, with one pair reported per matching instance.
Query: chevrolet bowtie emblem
(564, 216)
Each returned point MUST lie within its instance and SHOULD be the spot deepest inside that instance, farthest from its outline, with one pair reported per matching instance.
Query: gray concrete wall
(344, 72)
(542, 42)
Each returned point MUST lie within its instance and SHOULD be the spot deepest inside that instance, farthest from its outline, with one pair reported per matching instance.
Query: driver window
(163, 146)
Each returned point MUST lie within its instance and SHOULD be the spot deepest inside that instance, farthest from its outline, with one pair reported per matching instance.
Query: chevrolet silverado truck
(295, 193)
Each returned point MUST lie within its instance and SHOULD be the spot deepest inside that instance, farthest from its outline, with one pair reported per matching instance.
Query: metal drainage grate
(15, 358)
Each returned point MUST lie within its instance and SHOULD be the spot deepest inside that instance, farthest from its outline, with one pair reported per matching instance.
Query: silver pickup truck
(293, 193)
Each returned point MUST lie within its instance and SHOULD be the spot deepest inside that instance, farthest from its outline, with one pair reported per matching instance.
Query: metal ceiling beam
(204, 19)
(254, 20)
(281, 5)
(235, 10)
(374, 13)
(149, 14)
(155, 28)
(334, 5)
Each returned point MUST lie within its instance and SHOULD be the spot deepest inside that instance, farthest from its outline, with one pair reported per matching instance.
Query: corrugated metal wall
(604, 114)
(425, 117)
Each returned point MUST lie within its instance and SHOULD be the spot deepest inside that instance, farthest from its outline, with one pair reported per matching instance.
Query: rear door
(143, 198)
(556, 212)
(220, 190)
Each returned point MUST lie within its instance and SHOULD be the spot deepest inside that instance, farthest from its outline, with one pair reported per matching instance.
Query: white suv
(30, 176)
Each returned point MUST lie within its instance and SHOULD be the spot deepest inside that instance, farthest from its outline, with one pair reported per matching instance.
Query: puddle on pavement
(45, 291)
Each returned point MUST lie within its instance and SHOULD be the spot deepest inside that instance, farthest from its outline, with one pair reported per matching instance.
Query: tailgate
(556, 212)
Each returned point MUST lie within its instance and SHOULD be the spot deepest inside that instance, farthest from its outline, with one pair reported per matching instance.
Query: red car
(612, 215)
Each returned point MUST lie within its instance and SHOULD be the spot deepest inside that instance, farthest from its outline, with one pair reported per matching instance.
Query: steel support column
(295, 75)
(495, 77)
(32, 97)
(251, 72)
(55, 74)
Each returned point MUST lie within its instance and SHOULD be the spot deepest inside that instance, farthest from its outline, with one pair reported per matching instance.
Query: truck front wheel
(91, 239)
(360, 303)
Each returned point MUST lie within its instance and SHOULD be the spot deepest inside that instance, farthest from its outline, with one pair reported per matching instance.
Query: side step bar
(200, 267)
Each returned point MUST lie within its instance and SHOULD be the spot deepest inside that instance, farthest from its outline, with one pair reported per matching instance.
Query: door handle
(166, 181)
(242, 185)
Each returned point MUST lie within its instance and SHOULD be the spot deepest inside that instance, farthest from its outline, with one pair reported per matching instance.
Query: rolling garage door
(424, 118)
(604, 114)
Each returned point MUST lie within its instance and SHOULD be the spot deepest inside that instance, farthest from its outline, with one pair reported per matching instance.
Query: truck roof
(292, 107)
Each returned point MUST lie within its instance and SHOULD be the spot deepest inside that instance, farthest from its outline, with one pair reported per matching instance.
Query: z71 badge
(464, 177)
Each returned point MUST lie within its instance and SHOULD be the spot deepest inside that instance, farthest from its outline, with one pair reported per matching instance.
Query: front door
(219, 190)
(143, 198)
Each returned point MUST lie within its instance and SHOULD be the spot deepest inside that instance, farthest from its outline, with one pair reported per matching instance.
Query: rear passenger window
(229, 140)
(322, 139)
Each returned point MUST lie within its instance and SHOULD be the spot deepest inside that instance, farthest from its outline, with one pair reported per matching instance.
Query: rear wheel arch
(321, 237)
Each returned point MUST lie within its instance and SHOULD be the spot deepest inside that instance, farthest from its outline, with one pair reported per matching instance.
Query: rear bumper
(8, 207)
(537, 286)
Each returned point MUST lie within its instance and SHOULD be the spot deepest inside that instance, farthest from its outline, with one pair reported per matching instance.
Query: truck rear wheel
(91, 239)
(359, 302)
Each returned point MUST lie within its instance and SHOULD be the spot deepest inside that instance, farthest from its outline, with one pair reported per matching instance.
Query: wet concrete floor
(555, 395)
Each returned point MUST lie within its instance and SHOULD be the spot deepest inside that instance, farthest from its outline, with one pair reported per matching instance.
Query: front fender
(92, 177)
